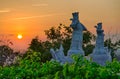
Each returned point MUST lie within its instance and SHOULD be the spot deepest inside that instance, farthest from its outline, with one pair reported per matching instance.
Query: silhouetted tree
(112, 46)
(41, 47)
(6, 52)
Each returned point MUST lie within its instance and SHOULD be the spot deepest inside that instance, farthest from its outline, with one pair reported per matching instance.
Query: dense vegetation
(36, 63)
(30, 67)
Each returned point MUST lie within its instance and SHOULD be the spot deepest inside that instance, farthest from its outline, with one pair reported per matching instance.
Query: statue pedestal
(101, 58)
(75, 52)
(101, 55)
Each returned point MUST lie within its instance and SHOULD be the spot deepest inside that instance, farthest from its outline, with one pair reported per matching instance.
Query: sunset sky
(31, 17)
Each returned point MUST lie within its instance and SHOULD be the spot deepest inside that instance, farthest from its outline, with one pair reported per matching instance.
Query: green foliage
(36, 45)
(30, 68)
(39, 46)
(32, 56)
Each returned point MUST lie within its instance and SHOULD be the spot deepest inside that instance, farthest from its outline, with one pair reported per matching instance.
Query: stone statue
(77, 35)
(100, 53)
(100, 39)
(59, 56)
(53, 54)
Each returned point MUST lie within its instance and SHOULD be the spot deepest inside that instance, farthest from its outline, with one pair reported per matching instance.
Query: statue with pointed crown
(100, 53)
(77, 35)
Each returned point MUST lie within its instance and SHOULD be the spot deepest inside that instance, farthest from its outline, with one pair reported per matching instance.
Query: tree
(35, 44)
(88, 38)
(6, 52)
(112, 46)
(41, 47)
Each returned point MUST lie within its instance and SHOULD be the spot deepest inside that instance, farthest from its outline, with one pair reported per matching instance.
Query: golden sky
(32, 17)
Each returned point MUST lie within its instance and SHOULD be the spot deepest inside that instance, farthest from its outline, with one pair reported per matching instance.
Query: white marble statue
(77, 35)
(100, 53)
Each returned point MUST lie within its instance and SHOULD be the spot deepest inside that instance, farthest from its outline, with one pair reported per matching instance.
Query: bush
(30, 67)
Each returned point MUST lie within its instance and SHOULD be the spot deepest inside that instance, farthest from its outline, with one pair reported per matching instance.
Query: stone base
(101, 58)
(75, 52)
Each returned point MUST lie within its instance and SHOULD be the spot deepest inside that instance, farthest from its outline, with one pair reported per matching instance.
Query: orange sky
(32, 17)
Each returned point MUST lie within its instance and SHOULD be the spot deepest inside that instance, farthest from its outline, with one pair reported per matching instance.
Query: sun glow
(19, 36)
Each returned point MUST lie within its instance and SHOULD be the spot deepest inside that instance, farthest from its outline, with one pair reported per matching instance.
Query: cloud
(5, 10)
(39, 5)
(6, 35)
(30, 17)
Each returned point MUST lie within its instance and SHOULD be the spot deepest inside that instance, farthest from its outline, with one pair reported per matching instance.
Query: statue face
(74, 23)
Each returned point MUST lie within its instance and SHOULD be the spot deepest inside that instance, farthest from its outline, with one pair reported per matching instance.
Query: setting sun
(19, 36)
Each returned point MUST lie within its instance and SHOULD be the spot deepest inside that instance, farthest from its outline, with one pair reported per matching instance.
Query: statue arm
(84, 28)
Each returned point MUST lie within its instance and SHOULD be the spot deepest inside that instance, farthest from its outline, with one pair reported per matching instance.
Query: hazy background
(31, 17)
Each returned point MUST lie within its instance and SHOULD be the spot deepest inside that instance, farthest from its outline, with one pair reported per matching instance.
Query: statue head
(75, 19)
(75, 22)
(99, 29)
(99, 26)
(75, 15)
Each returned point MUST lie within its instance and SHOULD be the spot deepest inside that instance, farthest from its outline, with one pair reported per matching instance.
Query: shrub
(30, 67)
